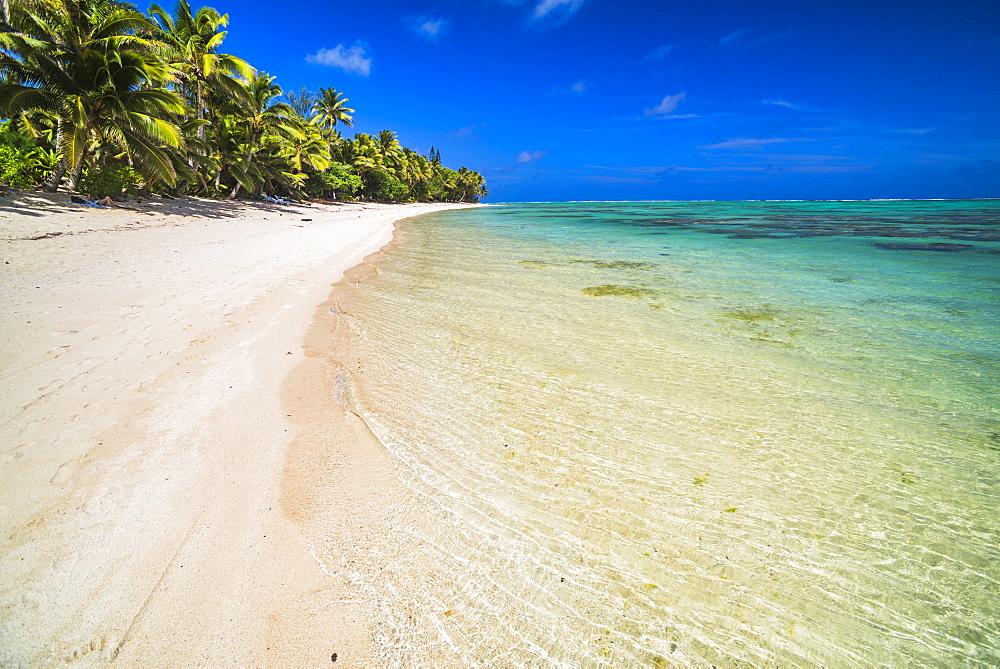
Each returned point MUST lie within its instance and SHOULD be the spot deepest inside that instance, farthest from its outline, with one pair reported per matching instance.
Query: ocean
(682, 434)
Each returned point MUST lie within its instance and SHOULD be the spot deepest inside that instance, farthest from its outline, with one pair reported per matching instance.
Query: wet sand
(161, 419)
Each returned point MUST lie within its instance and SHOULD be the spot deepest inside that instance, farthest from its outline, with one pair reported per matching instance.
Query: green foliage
(97, 82)
(23, 164)
(111, 181)
(14, 168)
(382, 186)
(338, 179)
(13, 139)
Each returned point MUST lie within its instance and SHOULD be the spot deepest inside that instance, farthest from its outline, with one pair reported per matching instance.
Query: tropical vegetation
(97, 96)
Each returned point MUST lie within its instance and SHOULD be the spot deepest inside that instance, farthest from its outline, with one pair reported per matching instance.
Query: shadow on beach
(36, 203)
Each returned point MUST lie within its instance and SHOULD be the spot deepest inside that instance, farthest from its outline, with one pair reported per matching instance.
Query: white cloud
(659, 53)
(467, 131)
(530, 156)
(577, 87)
(779, 103)
(667, 105)
(546, 7)
(752, 142)
(746, 38)
(353, 59)
(733, 37)
(428, 27)
(432, 27)
(915, 131)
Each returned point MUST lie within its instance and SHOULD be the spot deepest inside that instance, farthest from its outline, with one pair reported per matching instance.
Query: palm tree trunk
(51, 184)
(200, 102)
(236, 188)
(74, 176)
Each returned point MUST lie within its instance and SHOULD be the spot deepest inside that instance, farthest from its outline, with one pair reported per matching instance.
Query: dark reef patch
(942, 247)
(617, 290)
(752, 316)
(617, 264)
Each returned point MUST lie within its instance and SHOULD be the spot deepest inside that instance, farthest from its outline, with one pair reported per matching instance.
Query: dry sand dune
(143, 434)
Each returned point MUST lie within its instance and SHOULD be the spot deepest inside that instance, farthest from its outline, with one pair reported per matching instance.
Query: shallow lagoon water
(687, 434)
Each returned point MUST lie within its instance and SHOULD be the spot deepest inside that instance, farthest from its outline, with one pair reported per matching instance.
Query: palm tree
(192, 49)
(306, 148)
(389, 149)
(262, 117)
(91, 64)
(331, 108)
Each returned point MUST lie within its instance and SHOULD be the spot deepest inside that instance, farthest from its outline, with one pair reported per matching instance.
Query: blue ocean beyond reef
(691, 432)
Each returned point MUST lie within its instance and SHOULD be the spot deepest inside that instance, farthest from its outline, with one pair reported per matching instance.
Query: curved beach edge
(145, 431)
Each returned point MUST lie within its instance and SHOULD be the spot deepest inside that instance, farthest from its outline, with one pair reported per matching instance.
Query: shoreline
(145, 437)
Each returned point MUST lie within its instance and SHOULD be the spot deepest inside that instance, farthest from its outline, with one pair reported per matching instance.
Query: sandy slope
(143, 432)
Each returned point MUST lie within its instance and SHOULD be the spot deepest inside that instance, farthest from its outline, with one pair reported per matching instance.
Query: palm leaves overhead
(191, 47)
(93, 65)
(331, 108)
(99, 85)
(266, 120)
(389, 149)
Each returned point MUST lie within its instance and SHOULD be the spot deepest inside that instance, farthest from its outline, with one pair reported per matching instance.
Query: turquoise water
(687, 433)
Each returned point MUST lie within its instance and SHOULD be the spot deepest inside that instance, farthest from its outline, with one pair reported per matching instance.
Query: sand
(158, 414)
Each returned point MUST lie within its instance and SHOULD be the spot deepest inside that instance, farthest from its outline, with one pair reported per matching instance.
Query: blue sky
(627, 100)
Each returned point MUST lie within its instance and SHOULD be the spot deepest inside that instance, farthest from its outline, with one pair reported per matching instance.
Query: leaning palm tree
(192, 42)
(92, 65)
(331, 108)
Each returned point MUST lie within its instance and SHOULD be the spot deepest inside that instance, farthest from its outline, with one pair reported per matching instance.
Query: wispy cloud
(353, 59)
(749, 38)
(734, 37)
(556, 8)
(984, 167)
(467, 131)
(577, 87)
(779, 103)
(428, 27)
(667, 105)
(531, 156)
(915, 131)
(775, 164)
(659, 53)
(752, 142)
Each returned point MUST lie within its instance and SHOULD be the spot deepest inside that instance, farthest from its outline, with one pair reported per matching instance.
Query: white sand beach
(145, 424)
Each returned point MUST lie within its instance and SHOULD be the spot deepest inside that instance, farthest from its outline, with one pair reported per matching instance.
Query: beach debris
(306, 219)
(700, 481)
(333, 658)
